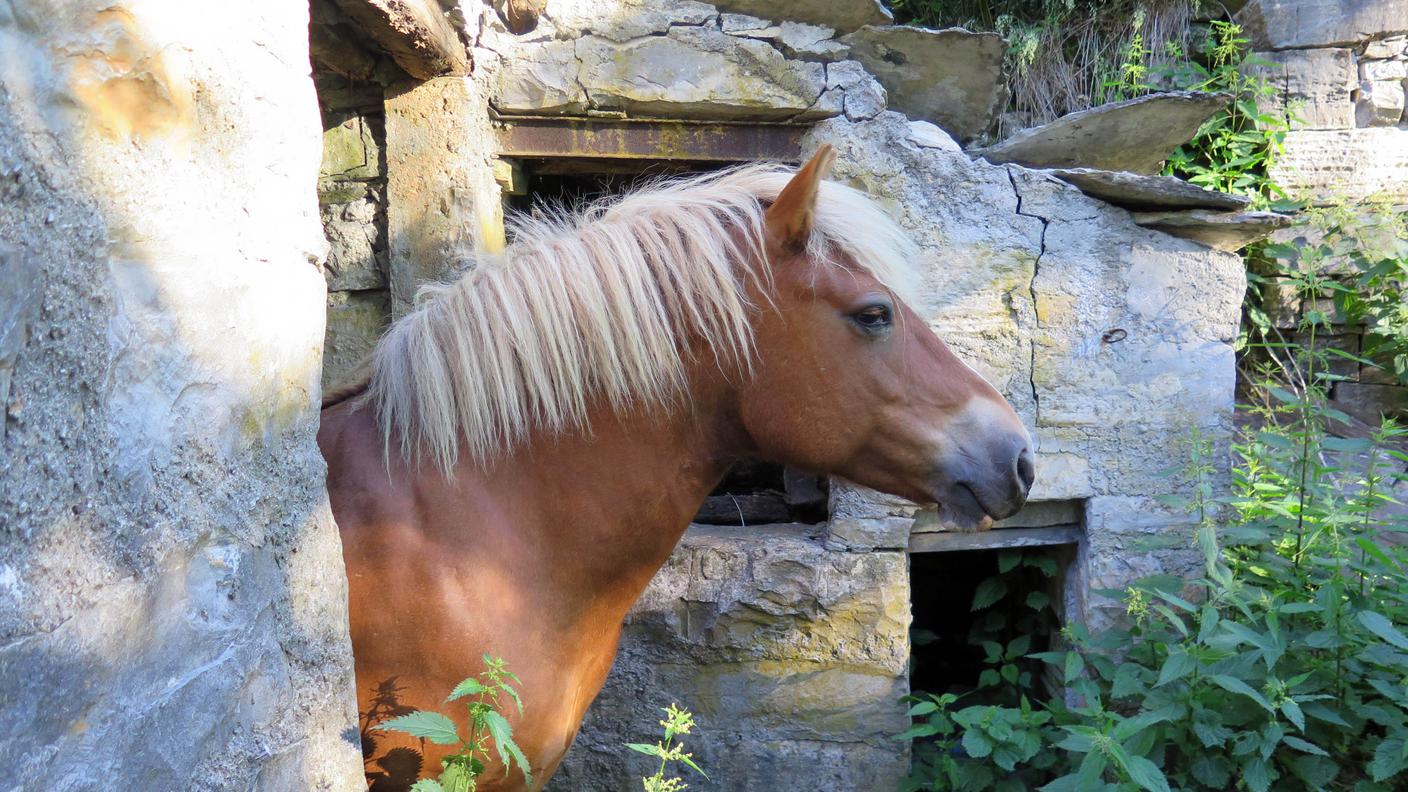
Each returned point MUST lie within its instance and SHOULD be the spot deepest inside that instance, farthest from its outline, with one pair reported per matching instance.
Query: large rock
(1228, 231)
(1136, 135)
(952, 78)
(1298, 24)
(356, 232)
(172, 598)
(1350, 164)
(697, 72)
(792, 657)
(842, 15)
(356, 321)
(1316, 84)
(1133, 191)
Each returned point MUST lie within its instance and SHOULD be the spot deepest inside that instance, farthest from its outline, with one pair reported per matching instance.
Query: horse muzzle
(976, 486)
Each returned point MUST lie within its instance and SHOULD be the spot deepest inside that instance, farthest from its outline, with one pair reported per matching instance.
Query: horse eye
(873, 317)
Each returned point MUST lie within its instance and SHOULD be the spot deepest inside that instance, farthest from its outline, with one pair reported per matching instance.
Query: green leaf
(426, 725)
(1177, 665)
(426, 785)
(1232, 684)
(923, 708)
(976, 744)
(469, 687)
(1038, 600)
(648, 750)
(988, 593)
(1007, 560)
(1303, 745)
(1257, 775)
(508, 749)
(1388, 759)
(1146, 774)
(1291, 710)
(1379, 625)
(1074, 666)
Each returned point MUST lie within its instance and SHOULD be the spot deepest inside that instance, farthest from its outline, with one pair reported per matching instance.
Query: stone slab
(416, 33)
(1297, 24)
(995, 539)
(953, 78)
(1136, 135)
(1136, 191)
(840, 15)
(1228, 231)
(1369, 402)
(1344, 165)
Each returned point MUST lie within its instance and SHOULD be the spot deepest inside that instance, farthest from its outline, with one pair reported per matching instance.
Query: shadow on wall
(172, 603)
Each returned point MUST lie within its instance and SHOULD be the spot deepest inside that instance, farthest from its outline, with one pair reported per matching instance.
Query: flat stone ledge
(1134, 136)
(1229, 231)
(842, 15)
(1137, 191)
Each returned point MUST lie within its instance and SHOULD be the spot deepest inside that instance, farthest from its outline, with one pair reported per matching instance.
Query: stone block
(1344, 165)
(861, 96)
(952, 78)
(623, 20)
(1229, 231)
(539, 78)
(1390, 47)
(792, 658)
(1371, 402)
(697, 72)
(1379, 103)
(1298, 24)
(1315, 84)
(1135, 191)
(350, 151)
(1375, 70)
(356, 232)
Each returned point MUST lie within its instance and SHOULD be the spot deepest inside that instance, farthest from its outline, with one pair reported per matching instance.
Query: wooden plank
(415, 33)
(616, 138)
(998, 538)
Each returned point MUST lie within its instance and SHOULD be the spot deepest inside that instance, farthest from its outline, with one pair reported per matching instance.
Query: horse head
(847, 379)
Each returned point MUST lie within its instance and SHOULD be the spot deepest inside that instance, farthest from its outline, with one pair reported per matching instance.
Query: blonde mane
(599, 305)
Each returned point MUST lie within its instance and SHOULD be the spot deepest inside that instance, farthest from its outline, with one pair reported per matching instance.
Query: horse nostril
(1026, 470)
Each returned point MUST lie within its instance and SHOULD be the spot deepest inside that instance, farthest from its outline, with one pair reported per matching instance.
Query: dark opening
(753, 493)
(971, 607)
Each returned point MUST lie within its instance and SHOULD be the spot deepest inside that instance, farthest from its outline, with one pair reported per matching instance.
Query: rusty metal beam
(654, 140)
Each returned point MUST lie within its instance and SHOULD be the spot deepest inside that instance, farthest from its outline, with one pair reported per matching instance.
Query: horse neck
(610, 504)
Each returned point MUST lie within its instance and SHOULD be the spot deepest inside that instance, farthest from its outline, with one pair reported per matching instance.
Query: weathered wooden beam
(995, 539)
(415, 33)
(609, 138)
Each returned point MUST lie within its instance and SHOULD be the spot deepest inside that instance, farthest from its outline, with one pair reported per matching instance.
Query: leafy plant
(1284, 666)
(462, 769)
(669, 751)
(1232, 151)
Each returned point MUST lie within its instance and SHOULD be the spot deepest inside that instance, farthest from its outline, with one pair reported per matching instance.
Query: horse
(533, 439)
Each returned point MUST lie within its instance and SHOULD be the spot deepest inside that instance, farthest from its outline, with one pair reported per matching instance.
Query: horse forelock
(598, 305)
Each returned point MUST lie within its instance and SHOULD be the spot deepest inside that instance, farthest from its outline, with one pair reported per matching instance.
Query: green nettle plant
(1232, 151)
(1285, 666)
(669, 751)
(461, 770)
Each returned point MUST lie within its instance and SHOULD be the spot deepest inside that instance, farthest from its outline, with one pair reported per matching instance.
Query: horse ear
(789, 219)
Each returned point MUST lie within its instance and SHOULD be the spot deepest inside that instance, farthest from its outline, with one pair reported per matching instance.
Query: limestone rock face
(1136, 135)
(172, 599)
(952, 78)
(792, 658)
(1295, 24)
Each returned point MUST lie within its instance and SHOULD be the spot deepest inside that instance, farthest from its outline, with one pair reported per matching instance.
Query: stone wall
(1341, 66)
(172, 601)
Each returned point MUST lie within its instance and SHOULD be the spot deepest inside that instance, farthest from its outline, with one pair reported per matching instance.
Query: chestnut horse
(535, 437)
